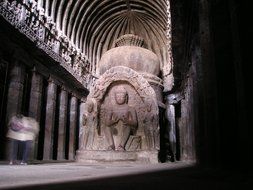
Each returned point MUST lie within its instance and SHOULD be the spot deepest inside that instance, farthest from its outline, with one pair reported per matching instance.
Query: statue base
(105, 156)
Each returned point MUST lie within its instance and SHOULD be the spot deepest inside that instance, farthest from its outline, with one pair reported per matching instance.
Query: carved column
(62, 124)
(15, 91)
(50, 120)
(170, 115)
(35, 105)
(72, 127)
(15, 95)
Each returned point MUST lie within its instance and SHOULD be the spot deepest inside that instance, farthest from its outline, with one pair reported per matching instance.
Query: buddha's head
(120, 95)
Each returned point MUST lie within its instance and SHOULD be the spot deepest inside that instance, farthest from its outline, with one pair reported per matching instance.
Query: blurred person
(15, 125)
(22, 130)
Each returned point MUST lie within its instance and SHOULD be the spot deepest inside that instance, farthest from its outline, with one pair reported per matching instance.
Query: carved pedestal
(95, 156)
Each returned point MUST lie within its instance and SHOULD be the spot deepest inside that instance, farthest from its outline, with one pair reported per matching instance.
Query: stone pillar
(15, 91)
(173, 122)
(170, 115)
(62, 124)
(50, 120)
(184, 130)
(35, 105)
(72, 127)
(15, 95)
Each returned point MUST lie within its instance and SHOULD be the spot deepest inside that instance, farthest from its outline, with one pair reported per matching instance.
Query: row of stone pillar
(67, 115)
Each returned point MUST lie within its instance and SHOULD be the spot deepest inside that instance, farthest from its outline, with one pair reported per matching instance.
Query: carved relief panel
(125, 113)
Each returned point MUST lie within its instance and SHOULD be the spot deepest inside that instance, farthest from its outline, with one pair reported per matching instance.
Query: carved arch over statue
(121, 73)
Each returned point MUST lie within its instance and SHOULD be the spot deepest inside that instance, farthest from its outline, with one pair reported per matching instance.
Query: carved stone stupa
(121, 121)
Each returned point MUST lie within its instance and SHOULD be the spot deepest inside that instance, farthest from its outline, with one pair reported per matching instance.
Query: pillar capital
(73, 95)
(83, 100)
(34, 69)
(51, 79)
(63, 88)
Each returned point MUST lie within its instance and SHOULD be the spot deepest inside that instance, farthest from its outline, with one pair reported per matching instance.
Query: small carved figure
(13, 6)
(17, 11)
(151, 127)
(27, 17)
(89, 124)
(35, 26)
(122, 112)
(6, 4)
(41, 14)
(41, 32)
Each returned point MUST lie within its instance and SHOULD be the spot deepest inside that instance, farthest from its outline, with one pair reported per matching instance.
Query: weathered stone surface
(136, 58)
(102, 156)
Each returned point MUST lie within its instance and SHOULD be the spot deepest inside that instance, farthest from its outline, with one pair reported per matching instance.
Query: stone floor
(71, 176)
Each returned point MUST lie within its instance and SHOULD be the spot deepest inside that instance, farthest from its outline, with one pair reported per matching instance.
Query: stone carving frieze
(30, 19)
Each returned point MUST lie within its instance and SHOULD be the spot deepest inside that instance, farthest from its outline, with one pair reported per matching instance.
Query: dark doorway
(3, 97)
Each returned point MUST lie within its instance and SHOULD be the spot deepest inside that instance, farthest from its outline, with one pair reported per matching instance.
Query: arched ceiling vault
(93, 25)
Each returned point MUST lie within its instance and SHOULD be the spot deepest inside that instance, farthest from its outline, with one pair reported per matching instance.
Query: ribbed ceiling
(93, 25)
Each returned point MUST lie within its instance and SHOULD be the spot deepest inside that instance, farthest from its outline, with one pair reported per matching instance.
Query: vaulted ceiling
(93, 25)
